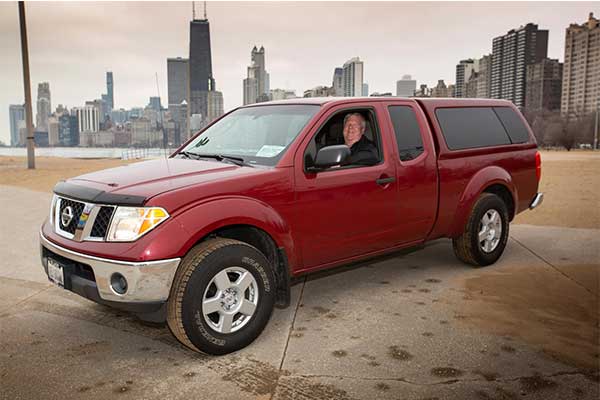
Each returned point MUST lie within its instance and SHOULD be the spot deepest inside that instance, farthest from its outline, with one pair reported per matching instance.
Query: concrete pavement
(414, 326)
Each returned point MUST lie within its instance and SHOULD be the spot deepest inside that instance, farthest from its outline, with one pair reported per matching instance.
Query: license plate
(55, 273)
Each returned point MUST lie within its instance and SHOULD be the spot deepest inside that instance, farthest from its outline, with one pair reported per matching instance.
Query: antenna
(205, 10)
(160, 114)
(193, 10)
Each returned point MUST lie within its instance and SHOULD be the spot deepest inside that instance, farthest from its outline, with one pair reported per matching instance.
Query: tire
(468, 248)
(205, 295)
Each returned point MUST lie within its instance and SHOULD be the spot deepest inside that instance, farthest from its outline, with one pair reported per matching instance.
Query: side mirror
(330, 156)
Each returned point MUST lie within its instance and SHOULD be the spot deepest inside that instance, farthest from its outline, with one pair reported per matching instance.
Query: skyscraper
(200, 63)
(365, 89)
(44, 107)
(406, 86)
(353, 77)
(16, 114)
(511, 54)
(464, 69)
(110, 100)
(338, 82)
(484, 77)
(88, 118)
(256, 84)
(544, 85)
(581, 73)
(177, 79)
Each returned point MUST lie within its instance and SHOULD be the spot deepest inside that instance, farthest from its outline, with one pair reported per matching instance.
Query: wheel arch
(248, 221)
(492, 179)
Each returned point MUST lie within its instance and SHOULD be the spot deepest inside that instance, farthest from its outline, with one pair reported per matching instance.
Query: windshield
(258, 135)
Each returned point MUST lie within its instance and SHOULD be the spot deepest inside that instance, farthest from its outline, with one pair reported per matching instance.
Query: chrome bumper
(537, 200)
(146, 281)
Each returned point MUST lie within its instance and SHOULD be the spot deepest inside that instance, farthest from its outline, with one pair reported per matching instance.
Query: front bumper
(147, 282)
(537, 200)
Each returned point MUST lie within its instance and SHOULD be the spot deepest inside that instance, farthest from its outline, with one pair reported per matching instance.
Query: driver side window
(364, 151)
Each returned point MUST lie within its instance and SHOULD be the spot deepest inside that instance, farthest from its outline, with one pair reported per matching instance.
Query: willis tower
(202, 91)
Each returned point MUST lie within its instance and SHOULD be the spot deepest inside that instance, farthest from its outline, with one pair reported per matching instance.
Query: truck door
(416, 169)
(345, 211)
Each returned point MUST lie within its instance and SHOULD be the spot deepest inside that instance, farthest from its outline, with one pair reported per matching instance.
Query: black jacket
(363, 152)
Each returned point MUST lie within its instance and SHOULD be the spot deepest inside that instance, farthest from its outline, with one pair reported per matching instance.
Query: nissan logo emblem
(66, 216)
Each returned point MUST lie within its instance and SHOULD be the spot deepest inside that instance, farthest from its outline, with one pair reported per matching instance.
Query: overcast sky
(72, 45)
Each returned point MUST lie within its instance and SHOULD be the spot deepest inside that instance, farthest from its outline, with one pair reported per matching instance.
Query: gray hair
(364, 121)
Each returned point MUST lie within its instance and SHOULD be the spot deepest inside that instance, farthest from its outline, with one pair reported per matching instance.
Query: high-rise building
(365, 89)
(470, 87)
(179, 114)
(442, 90)
(109, 91)
(16, 114)
(544, 85)
(511, 54)
(88, 118)
(484, 77)
(338, 82)
(154, 103)
(44, 107)
(215, 106)
(53, 139)
(68, 130)
(406, 86)
(464, 70)
(201, 79)
(256, 84)
(177, 79)
(353, 77)
(581, 72)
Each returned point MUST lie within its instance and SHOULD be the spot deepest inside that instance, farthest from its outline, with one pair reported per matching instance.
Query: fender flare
(212, 214)
(484, 178)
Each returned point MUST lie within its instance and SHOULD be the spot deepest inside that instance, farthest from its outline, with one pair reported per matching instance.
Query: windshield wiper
(220, 157)
(188, 154)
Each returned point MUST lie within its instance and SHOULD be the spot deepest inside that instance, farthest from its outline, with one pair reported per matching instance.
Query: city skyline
(382, 67)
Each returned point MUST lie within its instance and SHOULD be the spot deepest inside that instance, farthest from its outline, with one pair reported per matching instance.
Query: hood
(134, 183)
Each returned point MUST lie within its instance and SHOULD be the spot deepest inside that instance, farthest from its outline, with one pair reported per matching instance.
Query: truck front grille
(102, 221)
(72, 209)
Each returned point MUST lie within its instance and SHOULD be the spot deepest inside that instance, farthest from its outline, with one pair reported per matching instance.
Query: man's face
(353, 130)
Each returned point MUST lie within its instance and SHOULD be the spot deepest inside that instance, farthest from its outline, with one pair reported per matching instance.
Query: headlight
(129, 223)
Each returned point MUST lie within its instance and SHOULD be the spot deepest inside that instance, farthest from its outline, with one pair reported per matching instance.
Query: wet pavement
(419, 325)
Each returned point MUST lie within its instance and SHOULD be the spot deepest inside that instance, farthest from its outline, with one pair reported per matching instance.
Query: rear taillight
(538, 165)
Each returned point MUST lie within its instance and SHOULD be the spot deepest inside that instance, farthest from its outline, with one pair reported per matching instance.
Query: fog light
(118, 283)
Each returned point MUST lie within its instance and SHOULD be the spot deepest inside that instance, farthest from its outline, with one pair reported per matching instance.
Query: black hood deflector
(90, 195)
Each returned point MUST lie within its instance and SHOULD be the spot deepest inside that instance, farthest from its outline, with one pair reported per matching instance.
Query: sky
(72, 45)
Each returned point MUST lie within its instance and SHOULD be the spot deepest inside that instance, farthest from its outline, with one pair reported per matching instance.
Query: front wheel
(222, 296)
(486, 232)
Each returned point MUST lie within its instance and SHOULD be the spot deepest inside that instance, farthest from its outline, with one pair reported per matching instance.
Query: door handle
(385, 181)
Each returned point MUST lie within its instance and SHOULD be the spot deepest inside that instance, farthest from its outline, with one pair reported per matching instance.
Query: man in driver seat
(363, 151)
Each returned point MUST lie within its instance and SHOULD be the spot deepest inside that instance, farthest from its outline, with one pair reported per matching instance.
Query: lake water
(87, 152)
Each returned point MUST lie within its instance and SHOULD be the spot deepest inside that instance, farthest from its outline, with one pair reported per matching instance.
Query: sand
(571, 186)
(49, 170)
(570, 181)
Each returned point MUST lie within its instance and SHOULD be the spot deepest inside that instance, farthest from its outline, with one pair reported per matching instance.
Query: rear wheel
(222, 296)
(486, 232)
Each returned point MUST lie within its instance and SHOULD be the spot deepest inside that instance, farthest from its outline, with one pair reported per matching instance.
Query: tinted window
(513, 123)
(466, 128)
(408, 134)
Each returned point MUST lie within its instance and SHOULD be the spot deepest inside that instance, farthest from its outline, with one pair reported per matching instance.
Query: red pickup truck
(209, 238)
